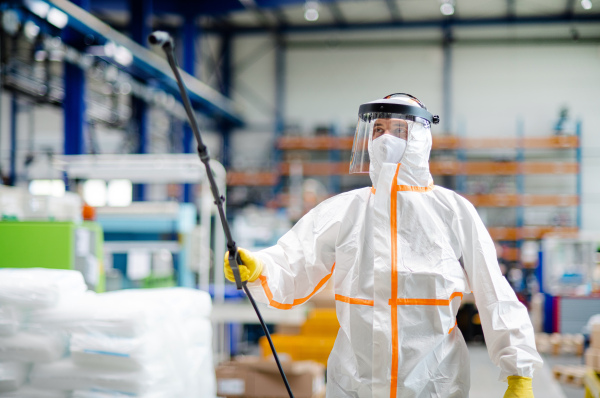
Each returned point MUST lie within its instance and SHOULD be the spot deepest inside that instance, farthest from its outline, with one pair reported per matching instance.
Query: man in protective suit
(400, 254)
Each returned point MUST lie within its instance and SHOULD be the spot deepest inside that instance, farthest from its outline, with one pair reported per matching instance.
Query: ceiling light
(39, 8)
(57, 18)
(119, 193)
(11, 22)
(586, 4)
(109, 49)
(94, 192)
(311, 11)
(31, 30)
(447, 9)
(123, 56)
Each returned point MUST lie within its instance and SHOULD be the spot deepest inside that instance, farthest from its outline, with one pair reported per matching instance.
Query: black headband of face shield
(388, 105)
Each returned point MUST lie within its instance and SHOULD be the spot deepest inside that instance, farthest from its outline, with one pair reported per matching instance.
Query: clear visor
(374, 125)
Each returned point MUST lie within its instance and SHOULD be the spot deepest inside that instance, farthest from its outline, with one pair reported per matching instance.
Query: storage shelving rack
(458, 167)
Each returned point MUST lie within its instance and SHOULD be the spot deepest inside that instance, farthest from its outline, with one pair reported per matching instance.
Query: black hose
(166, 42)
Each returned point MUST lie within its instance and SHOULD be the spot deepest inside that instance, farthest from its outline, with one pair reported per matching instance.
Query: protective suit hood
(415, 121)
(414, 169)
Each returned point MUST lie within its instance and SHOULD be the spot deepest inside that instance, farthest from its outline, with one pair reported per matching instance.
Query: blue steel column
(280, 51)
(74, 101)
(14, 110)
(226, 73)
(141, 12)
(190, 34)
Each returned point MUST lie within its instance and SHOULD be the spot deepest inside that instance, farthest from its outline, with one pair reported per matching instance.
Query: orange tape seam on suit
(281, 306)
(404, 188)
(407, 301)
(351, 300)
(394, 244)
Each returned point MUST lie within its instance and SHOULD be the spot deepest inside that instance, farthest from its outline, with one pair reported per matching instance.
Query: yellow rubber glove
(250, 269)
(519, 387)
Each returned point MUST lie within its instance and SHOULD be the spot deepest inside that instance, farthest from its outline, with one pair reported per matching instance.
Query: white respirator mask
(384, 149)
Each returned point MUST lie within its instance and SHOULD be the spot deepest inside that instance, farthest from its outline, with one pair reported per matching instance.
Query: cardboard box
(595, 336)
(252, 377)
(592, 358)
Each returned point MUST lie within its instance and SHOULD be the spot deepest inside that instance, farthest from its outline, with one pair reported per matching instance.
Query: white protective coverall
(393, 254)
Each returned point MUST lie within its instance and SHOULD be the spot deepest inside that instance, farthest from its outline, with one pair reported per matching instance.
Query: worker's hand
(250, 268)
(519, 387)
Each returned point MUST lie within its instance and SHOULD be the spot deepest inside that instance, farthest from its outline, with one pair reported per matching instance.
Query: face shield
(385, 127)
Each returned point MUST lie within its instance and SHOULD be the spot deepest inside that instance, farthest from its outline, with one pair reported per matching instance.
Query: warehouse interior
(111, 244)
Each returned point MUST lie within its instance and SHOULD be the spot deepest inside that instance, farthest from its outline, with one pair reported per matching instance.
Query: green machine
(54, 244)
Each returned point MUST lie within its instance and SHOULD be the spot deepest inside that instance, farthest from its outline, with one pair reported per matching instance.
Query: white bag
(97, 313)
(65, 375)
(180, 302)
(116, 394)
(12, 375)
(39, 287)
(125, 353)
(10, 320)
(33, 347)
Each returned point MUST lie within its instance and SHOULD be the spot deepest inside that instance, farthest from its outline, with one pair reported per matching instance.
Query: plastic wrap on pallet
(131, 342)
(180, 302)
(97, 313)
(31, 392)
(115, 394)
(125, 313)
(33, 347)
(12, 375)
(65, 375)
(134, 353)
(11, 319)
(39, 287)
(126, 353)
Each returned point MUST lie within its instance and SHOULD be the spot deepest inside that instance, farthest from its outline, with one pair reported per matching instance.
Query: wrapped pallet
(133, 342)
(154, 343)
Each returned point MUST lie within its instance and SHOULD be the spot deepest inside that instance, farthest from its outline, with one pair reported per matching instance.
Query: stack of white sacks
(59, 340)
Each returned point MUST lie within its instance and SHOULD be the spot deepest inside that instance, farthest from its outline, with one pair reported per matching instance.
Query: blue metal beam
(226, 77)
(74, 108)
(197, 8)
(148, 66)
(140, 12)
(454, 22)
(190, 33)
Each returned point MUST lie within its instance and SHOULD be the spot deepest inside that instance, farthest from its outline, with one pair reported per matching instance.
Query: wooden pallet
(570, 374)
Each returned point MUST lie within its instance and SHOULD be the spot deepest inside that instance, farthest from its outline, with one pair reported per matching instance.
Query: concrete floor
(485, 384)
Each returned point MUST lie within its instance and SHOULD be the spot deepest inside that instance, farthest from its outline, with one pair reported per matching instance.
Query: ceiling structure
(257, 16)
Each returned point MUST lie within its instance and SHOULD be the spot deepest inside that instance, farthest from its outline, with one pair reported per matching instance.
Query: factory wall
(494, 88)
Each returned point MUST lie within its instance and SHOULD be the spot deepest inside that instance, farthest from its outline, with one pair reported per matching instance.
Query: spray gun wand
(164, 40)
